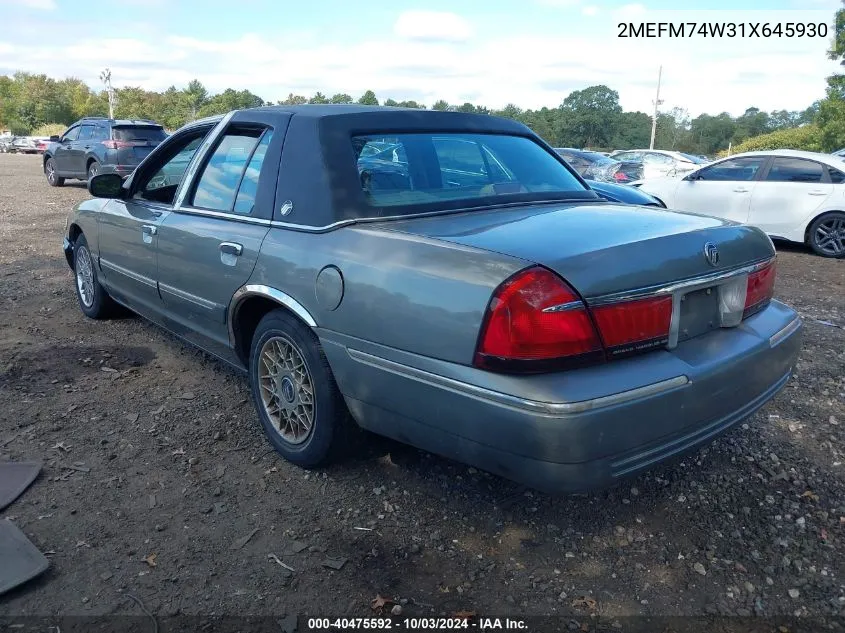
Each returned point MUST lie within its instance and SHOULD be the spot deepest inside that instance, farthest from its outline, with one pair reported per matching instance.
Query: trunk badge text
(711, 253)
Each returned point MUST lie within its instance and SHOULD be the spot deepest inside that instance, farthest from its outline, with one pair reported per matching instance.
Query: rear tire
(94, 301)
(50, 171)
(295, 394)
(93, 169)
(826, 235)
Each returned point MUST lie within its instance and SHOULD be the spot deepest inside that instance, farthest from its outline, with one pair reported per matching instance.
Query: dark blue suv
(94, 143)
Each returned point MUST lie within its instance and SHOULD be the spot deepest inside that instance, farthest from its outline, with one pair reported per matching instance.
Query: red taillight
(534, 321)
(117, 144)
(759, 290)
(621, 177)
(634, 326)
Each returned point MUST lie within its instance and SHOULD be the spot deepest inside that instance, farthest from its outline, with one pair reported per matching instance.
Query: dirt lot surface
(182, 503)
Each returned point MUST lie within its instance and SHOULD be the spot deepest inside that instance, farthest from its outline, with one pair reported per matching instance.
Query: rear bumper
(578, 430)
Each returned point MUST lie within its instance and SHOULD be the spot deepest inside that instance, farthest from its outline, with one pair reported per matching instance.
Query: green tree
(633, 131)
(831, 110)
(318, 97)
(440, 105)
(590, 117)
(294, 100)
(411, 104)
(391, 103)
(341, 98)
(368, 98)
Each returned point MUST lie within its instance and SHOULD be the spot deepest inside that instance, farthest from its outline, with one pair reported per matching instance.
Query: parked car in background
(94, 143)
(625, 194)
(789, 194)
(41, 143)
(6, 144)
(24, 145)
(598, 166)
(478, 301)
(658, 162)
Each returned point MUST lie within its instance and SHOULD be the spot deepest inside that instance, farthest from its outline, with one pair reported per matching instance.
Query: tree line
(591, 117)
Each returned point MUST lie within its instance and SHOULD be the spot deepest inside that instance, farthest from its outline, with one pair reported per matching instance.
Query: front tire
(295, 394)
(50, 171)
(826, 235)
(94, 301)
(93, 169)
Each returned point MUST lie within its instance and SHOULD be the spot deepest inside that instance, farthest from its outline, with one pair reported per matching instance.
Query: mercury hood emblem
(711, 253)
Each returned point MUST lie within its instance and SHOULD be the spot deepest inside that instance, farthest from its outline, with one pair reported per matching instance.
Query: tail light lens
(621, 177)
(117, 144)
(536, 322)
(634, 326)
(759, 290)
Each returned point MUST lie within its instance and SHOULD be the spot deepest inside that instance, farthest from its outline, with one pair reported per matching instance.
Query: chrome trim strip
(199, 155)
(565, 307)
(305, 228)
(128, 273)
(222, 215)
(688, 284)
(781, 335)
(556, 409)
(278, 296)
(187, 296)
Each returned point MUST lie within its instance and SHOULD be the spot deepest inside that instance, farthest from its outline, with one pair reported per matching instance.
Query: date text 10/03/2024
(721, 29)
(416, 624)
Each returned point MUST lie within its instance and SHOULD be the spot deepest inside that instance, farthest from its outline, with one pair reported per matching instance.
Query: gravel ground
(183, 505)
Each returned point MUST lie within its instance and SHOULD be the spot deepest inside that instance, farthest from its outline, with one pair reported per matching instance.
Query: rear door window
(86, 132)
(785, 169)
(237, 158)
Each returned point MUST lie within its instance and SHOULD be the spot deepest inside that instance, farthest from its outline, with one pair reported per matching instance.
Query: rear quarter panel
(401, 291)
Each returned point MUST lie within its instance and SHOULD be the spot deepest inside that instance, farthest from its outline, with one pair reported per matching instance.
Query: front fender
(83, 219)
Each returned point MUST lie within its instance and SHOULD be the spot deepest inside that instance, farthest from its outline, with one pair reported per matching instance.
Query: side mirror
(108, 185)
(55, 139)
(691, 177)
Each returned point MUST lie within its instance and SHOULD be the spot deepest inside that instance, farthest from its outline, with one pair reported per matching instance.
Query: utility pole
(657, 103)
(105, 77)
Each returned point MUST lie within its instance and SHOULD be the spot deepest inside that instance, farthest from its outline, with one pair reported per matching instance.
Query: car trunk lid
(602, 249)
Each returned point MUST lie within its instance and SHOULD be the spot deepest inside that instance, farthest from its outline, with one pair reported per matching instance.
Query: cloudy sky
(491, 52)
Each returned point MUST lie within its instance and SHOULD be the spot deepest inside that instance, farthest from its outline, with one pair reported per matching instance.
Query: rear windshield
(411, 169)
(138, 133)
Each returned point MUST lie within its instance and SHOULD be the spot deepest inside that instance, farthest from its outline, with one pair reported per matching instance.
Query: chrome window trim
(198, 157)
(282, 298)
(187, 296)
(128, 273)
(781, 335)
(553, 409)
(222, 215)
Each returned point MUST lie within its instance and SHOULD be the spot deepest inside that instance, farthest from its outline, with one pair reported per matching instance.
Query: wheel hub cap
(286, 388)
(830, 236)
(85, 277)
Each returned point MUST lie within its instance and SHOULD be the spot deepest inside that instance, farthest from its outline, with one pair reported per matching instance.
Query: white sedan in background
(790, 194)
(660, 162)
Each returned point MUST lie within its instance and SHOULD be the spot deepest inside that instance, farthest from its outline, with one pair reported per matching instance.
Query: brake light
(620, 177)
(634, 326)
(117, 144)
(536, 322)
(759, 289)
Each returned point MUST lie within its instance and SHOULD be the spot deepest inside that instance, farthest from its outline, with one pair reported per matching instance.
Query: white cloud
(432, 26)
(41, 5)
(590, 10)
(700, 74)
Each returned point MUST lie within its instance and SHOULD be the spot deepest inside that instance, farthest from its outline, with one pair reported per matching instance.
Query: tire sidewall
(812, 234)
(55, 180)
(96, 308)
(95, 166)
(316, 449)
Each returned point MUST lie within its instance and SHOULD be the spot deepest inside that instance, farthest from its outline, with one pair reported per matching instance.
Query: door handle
(230, 248)
(149, 229)
(816, 192)
(741, 190)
